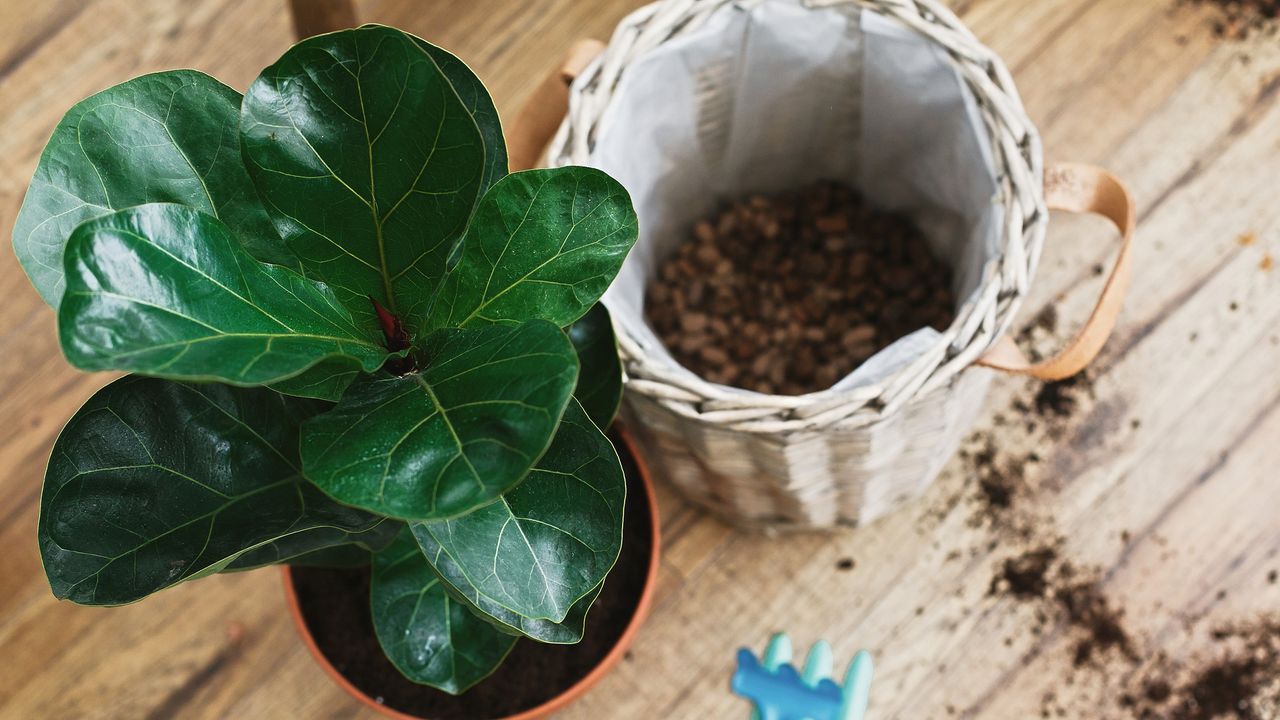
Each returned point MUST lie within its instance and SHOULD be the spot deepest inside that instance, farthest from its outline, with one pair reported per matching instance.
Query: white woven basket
(834, 457)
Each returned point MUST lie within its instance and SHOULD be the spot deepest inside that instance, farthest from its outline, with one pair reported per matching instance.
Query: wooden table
(1163, 479)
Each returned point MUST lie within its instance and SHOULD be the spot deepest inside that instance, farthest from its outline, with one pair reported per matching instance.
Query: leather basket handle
(1079, 188)
(542, 113)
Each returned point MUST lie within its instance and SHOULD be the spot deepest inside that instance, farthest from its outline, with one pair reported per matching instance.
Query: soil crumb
(1060, 398)
(1091, 612)
(1066, 595)
(997, 485)
(1001, 479)
(1238, 679)
(1026, 576)
(1240, 19)
(1044, 324)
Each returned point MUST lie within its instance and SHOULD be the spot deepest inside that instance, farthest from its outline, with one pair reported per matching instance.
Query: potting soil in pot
(335, 606)
(789, 293)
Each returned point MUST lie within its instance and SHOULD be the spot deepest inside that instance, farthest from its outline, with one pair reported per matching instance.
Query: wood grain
(314, 17)
(1175, 451)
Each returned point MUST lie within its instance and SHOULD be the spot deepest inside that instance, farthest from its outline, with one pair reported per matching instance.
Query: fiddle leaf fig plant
(354, 339)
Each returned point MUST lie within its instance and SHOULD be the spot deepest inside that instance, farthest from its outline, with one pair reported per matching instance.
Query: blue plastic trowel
(780, 692)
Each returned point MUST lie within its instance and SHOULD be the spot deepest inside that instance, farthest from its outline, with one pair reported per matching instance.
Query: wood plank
(23, 29)
(315, 17)
(1108, 81)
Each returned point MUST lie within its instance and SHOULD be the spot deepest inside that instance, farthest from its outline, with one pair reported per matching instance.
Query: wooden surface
(1164, 480)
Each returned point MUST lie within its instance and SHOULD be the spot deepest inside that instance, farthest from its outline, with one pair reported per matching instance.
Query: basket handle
(1079, 188)
(542, 113)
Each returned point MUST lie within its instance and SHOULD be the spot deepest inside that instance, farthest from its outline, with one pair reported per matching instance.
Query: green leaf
(323, 547)
(338, 556)
(565, 632)
(543, 244)
(165, 290)
(326, 380)
(166, 137)
(156, 482)
(430, 637)
(549, 542)
(368, 162)
(476, 98)
(600, 379)
(455, 435)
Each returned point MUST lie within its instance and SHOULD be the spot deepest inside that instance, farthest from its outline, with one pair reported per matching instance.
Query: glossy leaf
(599, 388)
(165, 290)
(549, 542)
(475, 97)
(166, 137)
(326, 380)
(338, 556)
(565, 632)
(455, 435)
(154, 482)
(543, 244)
(323, 547)
(368, 162)
(429, 636)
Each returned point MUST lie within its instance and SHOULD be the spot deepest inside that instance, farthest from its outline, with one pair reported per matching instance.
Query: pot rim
(571, 693)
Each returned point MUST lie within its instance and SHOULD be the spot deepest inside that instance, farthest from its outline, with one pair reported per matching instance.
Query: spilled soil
(1039, 572)
(1237, 679)
(1234, 674)
(1240, 19)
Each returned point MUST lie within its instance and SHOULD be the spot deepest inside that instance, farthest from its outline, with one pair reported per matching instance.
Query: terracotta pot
(573, 692)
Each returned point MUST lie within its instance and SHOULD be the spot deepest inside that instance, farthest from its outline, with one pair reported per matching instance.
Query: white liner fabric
(771, 95)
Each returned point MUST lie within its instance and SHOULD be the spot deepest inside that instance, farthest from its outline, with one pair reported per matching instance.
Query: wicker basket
(839, 458)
